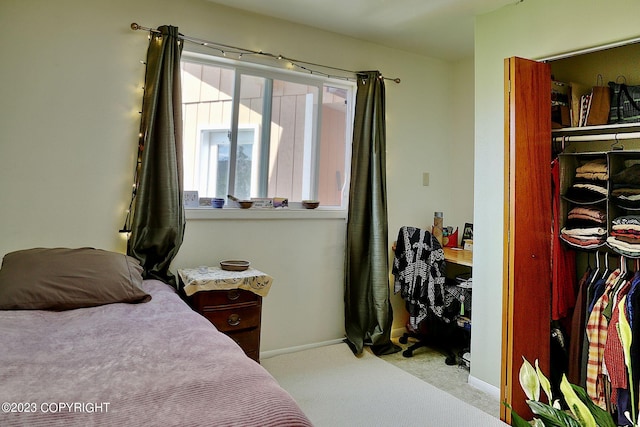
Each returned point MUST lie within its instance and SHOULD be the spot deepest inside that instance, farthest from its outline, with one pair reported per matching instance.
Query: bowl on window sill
(310, 204)
(245, 204)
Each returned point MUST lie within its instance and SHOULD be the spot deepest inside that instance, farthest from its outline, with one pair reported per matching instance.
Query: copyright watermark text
(56, 407)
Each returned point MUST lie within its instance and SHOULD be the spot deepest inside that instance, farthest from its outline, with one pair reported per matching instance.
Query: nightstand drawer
(234, 312)
(249, 340)
(234, 318)
(207, 300)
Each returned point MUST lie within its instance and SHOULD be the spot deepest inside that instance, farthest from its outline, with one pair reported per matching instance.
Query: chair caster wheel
(407, 353)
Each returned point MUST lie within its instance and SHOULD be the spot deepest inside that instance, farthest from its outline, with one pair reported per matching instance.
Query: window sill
(261, 214)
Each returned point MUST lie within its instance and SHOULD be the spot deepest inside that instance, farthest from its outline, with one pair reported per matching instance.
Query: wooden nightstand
(231, 300)
(236, 313)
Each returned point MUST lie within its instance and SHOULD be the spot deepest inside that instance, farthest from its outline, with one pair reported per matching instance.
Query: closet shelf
(611, 129)
(583, 248)
(626, 255)
(585, 203)
(627, 208)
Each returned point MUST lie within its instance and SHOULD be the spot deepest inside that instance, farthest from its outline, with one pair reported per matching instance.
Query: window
(262, 132)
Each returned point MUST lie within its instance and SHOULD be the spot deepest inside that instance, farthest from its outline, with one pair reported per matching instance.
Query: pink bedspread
(156, 363)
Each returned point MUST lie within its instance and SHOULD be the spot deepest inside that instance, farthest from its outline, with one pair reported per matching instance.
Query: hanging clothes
(597, 335)
(563, 262)
(614, 358)
(632, 307)
(594, 290)
(577, 334)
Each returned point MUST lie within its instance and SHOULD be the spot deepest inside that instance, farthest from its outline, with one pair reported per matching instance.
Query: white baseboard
(395, 333)
(271, 353)
(484, 386)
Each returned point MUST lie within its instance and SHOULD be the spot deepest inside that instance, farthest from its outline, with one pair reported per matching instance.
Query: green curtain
(368, 313)
(157, 225)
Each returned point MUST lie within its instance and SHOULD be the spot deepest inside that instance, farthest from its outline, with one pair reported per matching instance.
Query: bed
(148, 361)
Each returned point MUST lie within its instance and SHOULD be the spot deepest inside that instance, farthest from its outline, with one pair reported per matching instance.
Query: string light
(126, 227)
(239, 53)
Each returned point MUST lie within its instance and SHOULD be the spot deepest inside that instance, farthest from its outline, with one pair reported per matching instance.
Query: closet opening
(592, 149)
(596, 149)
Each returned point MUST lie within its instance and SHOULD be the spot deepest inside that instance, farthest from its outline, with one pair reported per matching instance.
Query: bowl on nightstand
(234, 265)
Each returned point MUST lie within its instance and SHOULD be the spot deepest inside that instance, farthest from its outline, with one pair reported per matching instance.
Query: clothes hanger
(616, 144)
(624, 268)
(622, 279)
(596, 273)
(606, 273)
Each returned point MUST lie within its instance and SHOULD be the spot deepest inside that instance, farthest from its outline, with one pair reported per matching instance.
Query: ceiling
(437, 28)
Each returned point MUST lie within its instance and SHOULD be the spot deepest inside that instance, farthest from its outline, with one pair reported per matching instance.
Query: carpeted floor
(335, 388)
(428, 364)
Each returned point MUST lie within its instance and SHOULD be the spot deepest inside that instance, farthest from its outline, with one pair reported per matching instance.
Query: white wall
(462, 153)
(532, 29)
(68, 133)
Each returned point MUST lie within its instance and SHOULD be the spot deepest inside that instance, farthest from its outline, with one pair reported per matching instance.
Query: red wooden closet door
(527, 226)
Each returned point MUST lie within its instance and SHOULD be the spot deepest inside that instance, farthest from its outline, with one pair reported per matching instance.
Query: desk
(461, 261)
(458, 256)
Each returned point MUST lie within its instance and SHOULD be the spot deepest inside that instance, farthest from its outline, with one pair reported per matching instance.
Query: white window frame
(203, 149)
(310, 163)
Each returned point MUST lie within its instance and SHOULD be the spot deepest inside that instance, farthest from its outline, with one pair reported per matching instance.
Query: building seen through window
(256, 132)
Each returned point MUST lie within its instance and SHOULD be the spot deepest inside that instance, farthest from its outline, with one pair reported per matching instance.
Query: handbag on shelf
(625, 103)
(600, 104)
(578, 90)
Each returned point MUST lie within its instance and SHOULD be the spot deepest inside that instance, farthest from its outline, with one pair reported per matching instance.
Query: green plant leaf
(529, 380)
(577, 406)
(518, 421)
(602, 417)
(551, 416)
(544, 382)
(625, 334)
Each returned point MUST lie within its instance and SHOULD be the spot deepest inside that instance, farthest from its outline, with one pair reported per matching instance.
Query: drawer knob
(234, 320)
(233, 295)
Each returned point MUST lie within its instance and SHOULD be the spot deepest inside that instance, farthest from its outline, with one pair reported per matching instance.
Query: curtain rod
(240, 51)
